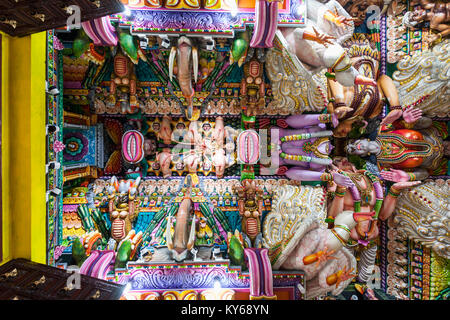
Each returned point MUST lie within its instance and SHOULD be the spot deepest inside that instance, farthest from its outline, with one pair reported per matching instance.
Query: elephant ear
(129, 46)
(80, 44)
(238, 50)
(123, 254)
(236, 251)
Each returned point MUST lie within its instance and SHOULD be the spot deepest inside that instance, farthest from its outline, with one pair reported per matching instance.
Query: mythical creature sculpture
(122, 207)
(250, 205)
(253, 89)
(404, 154)
(124, 80)
(295, 229)
(422, 213)
(431, 69)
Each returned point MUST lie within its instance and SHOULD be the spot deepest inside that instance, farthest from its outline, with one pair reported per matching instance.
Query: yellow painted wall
(6, 222)
(23, 147)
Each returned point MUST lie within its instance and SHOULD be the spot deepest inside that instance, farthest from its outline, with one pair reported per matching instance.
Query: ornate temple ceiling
(24, 17)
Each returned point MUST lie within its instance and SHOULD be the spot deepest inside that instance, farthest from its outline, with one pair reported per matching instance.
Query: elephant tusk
(385, 8)
(195, 63)
(191, 240)
(173, 53)
(169, 239)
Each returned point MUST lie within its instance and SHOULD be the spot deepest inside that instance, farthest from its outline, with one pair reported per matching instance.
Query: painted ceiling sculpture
(276, 149)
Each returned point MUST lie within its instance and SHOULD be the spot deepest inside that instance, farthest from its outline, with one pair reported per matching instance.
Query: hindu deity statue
(406, 150)
(250, 205)
(122, 207)
(355, 102)
(306, 148)
(319, 45)
(368, 202)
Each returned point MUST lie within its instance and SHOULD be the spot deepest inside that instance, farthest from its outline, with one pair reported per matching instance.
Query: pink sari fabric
(101, 31)
(266, 24)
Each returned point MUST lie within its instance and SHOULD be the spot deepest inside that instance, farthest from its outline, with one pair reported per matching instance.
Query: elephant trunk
(181, 235)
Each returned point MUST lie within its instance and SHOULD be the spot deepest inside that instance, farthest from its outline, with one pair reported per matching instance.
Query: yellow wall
(23, 147)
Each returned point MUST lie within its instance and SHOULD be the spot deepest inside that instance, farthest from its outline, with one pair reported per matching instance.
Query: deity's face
(344, 164)
(156, 126)
(359, 147)
(149, 147)
(206, 127)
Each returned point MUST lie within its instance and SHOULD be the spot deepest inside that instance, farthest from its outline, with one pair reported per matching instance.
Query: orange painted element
(340, 276)
(180, 295)
(319, 257)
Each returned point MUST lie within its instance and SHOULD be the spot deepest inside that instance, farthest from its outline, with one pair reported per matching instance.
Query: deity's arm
(419, 174)
(304, 175)
(388, 207)
(336, 206)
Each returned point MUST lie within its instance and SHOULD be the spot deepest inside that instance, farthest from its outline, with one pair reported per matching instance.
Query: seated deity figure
(327, 24)
(366, 199)
(405, 150)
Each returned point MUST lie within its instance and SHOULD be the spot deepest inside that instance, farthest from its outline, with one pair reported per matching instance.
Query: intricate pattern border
(200, 275)
(221, 24)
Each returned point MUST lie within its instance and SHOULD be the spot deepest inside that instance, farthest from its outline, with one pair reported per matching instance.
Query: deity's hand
(365, 81)
(391, 117)
(412, 115)
(331, 186)
(342, 180)
(395, 175)
(341, 20)
(322, 38)
(341, 111)
(430, 38)
(404, 185)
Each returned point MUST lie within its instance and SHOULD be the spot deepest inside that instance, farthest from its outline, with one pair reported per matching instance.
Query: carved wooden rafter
(23, 17)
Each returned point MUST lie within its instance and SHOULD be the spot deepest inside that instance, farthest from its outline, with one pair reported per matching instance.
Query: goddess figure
(407, 149)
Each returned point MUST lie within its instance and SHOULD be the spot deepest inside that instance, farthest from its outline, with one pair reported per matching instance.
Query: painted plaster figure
(319, 45)
(306, 148)
(187, 64)
(437, 12)
(294, 230)
(253, 88)
(407, 150)
(122, 207)
(367, 200)
(250, 205)
(353, 102)
(123, 80)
